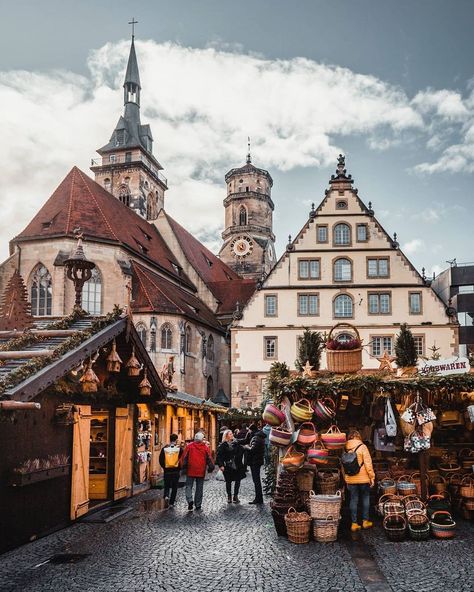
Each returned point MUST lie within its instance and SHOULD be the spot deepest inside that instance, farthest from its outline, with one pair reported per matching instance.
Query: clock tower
(249, 242)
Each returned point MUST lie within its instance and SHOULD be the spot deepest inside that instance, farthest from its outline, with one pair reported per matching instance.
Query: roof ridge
(139, 271)
(74, 169)
(98, 207)
(143, 271)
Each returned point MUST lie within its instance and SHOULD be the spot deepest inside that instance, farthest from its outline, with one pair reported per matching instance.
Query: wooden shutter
(123, 452)
(80, 461)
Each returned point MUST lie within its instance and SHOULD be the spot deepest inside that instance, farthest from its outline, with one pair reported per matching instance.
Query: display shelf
(22, 479)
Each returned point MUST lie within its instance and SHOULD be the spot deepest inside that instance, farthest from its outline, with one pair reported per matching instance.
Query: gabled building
(342, 267)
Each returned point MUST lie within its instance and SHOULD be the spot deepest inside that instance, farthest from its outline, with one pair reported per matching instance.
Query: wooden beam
(24, 355)
(15, 405)
(39, 333)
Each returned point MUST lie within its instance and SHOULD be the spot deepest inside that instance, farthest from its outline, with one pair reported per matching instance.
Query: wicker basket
(438, 484)
(383, 498)
(414, 507)
(322, 506)
(419, 527)
(388, 486)
(418, 518)
(325, 529)
(466, 488)
(446, 469)
(394, 506)
(343, 361)
(405, 485)
(443, 525)
(327, 482)
(298, 526)
(305, 480)
(395, 527)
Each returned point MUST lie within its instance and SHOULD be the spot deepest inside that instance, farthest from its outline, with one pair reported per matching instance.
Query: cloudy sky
(390, 83)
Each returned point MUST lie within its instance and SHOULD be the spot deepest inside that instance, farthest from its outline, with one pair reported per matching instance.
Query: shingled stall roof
(80, 202)
(152, 293)
(23, 377)
(186, 400)
(227, 286)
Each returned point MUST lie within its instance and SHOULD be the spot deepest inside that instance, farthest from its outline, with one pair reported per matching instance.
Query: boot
(229, 500)
(367, 524)
(355, 527)
(236, 500)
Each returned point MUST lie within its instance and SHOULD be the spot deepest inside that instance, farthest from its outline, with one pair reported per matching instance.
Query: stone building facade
(342, 267)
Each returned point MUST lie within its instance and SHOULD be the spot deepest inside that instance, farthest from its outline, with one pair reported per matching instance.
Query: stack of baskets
(327, 482)
(466, 492)
(325, 512)
(305, 481)
(286, 496)
(417, 519)
(298, 526)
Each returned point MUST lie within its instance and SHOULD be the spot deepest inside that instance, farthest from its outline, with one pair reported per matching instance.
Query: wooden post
(15, 405)
(423, 460)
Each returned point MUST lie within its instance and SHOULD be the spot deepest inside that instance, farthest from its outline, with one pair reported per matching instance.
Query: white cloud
(446, 104)
(413, 246)
(201, 104)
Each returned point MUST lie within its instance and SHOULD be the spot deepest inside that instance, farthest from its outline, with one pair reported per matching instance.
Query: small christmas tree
(435, 355)
(405, 350)
(309, 350)
(15, 310)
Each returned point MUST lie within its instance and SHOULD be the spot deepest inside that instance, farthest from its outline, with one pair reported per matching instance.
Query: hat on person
(199, 436)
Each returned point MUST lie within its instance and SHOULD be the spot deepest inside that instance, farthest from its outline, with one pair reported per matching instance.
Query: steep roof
(152, 293)
(225, 284)
(132, 74)
(80, 202)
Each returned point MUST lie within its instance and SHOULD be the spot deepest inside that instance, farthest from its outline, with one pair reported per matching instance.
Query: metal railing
(133, 158)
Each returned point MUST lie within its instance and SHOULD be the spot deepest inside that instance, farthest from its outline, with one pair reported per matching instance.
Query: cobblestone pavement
(229, 548)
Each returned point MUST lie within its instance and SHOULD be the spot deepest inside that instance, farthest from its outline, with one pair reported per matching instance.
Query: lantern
(113, 359)
(133, 364)
(89, 380)
(145, 386)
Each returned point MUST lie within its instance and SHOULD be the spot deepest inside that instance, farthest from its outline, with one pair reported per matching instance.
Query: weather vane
(133, 22)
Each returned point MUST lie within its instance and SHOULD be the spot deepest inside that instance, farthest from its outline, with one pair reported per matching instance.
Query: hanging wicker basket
(344, 361)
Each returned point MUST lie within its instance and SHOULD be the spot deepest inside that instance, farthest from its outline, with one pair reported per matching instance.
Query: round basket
(305, 480)
(298, 526)
(318, 455)
(394, 506)
(443, 525)
(388, 486)
(438, 484)
(334, 439)
(446, 469)
(325, 529)
(418, 518)
(405, 485)
(419, 532)
(395, 527)
(327, 482)
(438, 502)
(466, 488)
(273, 415)
(301, 410)
(414, 506)
(344, 361)
(383, 498)
(322, 506)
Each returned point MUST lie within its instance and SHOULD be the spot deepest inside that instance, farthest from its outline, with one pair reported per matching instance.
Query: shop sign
(454, 365)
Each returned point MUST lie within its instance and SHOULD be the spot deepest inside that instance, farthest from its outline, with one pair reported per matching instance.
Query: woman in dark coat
(230, 460)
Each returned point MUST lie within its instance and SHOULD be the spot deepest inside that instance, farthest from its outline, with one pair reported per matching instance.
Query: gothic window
(342, 234)
(210, 388)
(41, 292)
(92, 294)
(166, 336)
(243, 216)
(343, 306)
(188, 342)
(124, 194)
(142, 333)
(210, 348)
(342, 270)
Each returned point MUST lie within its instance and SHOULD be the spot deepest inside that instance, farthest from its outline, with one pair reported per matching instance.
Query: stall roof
(191, 400)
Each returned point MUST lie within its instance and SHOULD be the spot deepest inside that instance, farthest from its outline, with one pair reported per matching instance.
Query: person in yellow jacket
(359, 484)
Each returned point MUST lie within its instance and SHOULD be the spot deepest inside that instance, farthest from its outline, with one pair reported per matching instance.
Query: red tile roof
(225, 284)
(153, 293)
(80, 202)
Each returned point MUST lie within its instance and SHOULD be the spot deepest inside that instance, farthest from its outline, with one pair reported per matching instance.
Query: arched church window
(189, 340)
(142, 332)
(41, 292)
(92, 294)
(124, 194)
(243, 216)
(166, 336)
(210, 348)
(210, 388)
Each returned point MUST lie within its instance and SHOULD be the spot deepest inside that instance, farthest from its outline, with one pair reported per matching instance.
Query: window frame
(379, 293)
(265, 310)
(410, 294)
(98, 287)
(35, 278)
(334, 315)
(210, 348)
(372, 338)
(362, 225)
(423, 343)
(307, 294)
(309, 260)
(275, 356)
(336, 244)
(334, 261)
(377, 258)
(320, 226)
(166, 326)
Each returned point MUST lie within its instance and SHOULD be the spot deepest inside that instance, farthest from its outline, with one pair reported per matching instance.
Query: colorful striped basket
(334, 439)
(273, 415)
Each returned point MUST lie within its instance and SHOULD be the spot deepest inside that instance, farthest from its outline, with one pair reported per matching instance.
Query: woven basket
(466, 489)
(388, 486)
(298, 526)
(438, 484)
(305, 480)
(327, 482)
(446, 469)
(414, 507)
(405, 485)
(383, 498)
(325, 530)
(438, 502)
(395, 527)
(334, 439)
(318, 455)
(443, 525)
(455, 483)
(322, 506)
(394, 506)
(419, 532)
(418, 518)
(343, 361)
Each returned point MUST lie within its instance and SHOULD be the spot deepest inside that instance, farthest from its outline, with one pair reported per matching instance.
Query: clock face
(241, 246)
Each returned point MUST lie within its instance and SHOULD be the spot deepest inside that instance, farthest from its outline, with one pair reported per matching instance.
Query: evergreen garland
(310, 348)
(270, 477)
(405, 350)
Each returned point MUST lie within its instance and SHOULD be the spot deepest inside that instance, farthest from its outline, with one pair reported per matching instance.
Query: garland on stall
(235, 414)
(36, 364)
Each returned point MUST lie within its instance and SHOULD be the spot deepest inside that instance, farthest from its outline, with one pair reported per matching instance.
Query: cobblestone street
(229, 548)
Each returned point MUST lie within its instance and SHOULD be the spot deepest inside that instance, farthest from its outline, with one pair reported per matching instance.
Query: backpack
(172, 457)
(349, 461)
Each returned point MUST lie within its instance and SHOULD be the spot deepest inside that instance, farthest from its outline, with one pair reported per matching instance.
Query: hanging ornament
(133, 364)
(89, 380)
(113, 359)
(145, 386)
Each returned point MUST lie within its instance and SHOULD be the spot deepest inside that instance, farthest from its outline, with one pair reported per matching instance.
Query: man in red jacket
(196, 459)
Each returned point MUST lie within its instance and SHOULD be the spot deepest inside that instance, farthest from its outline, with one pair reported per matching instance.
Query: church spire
(132, 87)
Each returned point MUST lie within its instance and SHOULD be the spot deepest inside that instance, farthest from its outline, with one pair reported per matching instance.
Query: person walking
(255, 458)
(170, 457)
(196, 459)
(359, 477)
(229, 459)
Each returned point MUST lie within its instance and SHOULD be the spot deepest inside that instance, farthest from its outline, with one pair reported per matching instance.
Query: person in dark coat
(229, 459)
(255, 458)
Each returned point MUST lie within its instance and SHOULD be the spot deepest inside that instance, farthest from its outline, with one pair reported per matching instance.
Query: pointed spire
(132, 76)
(249, 157)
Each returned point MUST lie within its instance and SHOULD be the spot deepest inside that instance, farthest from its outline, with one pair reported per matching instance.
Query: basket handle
(468, 479)
(334, 430)
(406, 478)
(301, 400)
(308, 423)
(291, 511)
(343, 325)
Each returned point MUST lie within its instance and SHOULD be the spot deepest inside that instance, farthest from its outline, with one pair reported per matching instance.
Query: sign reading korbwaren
(452, 365)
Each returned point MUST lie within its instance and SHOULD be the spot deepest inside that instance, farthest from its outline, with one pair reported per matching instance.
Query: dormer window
(120, 137)
(113, 158)
(208, 261)
(175, 268)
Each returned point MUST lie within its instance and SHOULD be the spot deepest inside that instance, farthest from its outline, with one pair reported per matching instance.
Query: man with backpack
(170, 457)
(359, 476)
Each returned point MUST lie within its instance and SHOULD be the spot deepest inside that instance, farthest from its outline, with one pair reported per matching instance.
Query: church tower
(249, 242)
(127, 167)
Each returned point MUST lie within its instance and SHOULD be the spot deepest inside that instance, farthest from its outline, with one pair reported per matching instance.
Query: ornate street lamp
(79, 270)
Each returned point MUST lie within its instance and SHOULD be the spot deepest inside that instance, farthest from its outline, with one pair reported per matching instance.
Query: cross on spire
(133, 22)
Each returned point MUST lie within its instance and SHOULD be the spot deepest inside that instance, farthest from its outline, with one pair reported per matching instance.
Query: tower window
(243, 216)
(124, 194)
(113, 158)
(246, 189)
(128, 157)
(107, 184)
